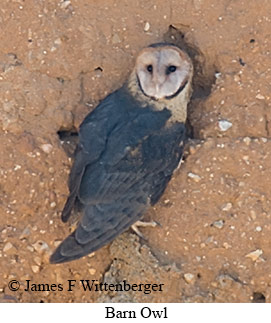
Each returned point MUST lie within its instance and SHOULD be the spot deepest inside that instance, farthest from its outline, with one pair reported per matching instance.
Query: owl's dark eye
(171, 69)
(149, 68)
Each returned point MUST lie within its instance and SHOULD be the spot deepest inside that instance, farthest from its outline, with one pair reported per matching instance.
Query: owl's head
(163, 71)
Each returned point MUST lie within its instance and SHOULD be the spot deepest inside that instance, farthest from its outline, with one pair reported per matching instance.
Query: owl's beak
(157, 88)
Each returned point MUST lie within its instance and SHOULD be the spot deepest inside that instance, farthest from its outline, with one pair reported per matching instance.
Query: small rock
(236, 78)
(92, 271)
(53, 205)
(51, 170)
(254, 255)
(218, 224)
(247, 141)
(25, 233)
(260, 97)
(226, 207)
(16, 167)
(8, 247)
(35, 269)
(40, 246)
(246, 159)
(47, 148)
(64, 4)
(189, 278)
(196, 178)
(224, 125)
(226, 245)
(258, 228)
(147, 27)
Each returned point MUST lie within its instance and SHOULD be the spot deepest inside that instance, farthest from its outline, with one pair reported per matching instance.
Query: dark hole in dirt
(242, 62)
(258, 298)
(252, 40)
(204, 76)
(99, 69)
(60, 79)
(68, 140)
(199, 275)
(202, 83)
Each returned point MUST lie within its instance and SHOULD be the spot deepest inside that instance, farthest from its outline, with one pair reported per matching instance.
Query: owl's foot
(143, 224)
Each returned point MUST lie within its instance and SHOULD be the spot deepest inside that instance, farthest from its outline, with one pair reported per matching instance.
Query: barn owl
(129, 147)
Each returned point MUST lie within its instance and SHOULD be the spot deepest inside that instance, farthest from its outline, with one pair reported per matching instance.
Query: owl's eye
(171, 69)
(149, 68)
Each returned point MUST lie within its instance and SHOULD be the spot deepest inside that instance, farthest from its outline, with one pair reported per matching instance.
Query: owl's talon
(137, 224)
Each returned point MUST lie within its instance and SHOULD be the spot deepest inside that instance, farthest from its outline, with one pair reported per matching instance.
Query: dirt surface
(58, 59)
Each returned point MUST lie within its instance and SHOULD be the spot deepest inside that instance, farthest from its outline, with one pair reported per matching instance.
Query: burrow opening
(68, 140)
(204, 74)
(258, 297)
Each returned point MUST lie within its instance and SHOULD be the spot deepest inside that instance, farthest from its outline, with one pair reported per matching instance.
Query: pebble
(47, 148)
(218, 224)
(260, 97)
(25, 233)
(147, 27)
(51, 170)
(254, 255)
(236, 78)
(53, 205)
(92, 271)
(247, 141)
(226, 207)
(16, 167)
(189, 278)
(224, 125)
(8, 246)
(196, 178)
(40, 246)
(64, 4)
(35, 269)
(91, 255)
(226, 245)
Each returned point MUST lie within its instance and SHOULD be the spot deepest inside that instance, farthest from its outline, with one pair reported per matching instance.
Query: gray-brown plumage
(128, 149)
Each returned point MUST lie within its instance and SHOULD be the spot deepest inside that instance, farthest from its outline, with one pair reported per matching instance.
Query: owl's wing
(93, 135)
(117, 124)
(117, 194)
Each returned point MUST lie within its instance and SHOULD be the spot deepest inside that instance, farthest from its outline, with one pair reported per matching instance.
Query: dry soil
(58, 59)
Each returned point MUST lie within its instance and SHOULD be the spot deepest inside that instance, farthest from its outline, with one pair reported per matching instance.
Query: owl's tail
(99, 226)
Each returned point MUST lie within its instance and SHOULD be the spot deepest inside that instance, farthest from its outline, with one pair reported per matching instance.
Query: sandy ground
(58, 59)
